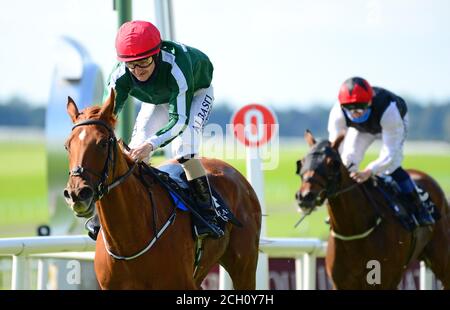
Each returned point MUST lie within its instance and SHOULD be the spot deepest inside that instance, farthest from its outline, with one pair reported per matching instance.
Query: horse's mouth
(83, 208)
(307, 208)
(312, 202)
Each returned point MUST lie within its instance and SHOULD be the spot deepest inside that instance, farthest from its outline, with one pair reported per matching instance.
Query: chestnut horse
(364, 233)
(145, 242)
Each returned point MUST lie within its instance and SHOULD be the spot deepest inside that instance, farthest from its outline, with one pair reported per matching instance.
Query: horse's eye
(335, 164)
(66, 147)
(104, 144)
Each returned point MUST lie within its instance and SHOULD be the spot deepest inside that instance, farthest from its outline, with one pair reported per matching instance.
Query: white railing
(304, 250)
(22, 249)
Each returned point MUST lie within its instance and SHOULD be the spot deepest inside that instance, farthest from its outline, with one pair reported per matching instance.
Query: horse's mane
(129, 161)
(93, 112)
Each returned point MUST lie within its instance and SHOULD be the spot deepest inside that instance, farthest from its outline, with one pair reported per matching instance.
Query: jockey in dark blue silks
(366, 113)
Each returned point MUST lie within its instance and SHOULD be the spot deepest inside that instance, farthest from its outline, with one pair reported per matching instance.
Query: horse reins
(312, 163)
(102, 189)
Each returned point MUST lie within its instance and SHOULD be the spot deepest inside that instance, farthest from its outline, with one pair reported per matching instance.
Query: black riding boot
(93, 227)
(203, 198)
(419, 210)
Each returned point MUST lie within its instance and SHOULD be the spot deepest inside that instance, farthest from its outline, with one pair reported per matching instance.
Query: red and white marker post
(254, 125)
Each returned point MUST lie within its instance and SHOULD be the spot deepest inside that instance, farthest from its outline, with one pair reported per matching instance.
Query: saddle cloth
(174, 175)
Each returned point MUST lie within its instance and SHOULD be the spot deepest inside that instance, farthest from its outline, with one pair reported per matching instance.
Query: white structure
(305, 251)
(22, 249)
(250, 123)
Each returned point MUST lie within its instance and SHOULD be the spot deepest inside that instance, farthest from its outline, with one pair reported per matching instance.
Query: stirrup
(93, 235)
(218, 233)
(93, 232)
(92, 227)
(424, 217)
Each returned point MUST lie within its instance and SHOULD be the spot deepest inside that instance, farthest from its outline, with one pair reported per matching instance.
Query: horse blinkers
(299, 167)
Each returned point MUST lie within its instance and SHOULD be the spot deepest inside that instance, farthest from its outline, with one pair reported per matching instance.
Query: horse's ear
(72, 109)
(309, 138)
(337, 142)
(108, 106)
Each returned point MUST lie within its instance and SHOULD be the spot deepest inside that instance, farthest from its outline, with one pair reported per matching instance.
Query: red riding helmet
(355, 90)
(137, 39)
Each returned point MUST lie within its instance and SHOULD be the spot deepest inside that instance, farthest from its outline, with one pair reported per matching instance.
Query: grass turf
(23, 189)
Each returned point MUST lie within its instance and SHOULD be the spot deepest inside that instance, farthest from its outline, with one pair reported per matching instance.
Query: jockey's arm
(120, 88)
(336, 122)
(121, 99)
(393, 135)
(178, 120)
(141, 125)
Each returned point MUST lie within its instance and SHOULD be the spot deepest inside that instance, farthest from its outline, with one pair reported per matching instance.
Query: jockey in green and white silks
(177, 96)
(173, 82)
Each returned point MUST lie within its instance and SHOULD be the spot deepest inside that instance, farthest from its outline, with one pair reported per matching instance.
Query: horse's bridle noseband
(102, 188)
(315, 161)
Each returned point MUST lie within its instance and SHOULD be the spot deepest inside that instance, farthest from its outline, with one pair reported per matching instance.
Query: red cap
(137, 39)
(355, 90)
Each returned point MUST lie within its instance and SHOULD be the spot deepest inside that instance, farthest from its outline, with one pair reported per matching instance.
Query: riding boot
(419, 210)
(203, 198)
(93, 227)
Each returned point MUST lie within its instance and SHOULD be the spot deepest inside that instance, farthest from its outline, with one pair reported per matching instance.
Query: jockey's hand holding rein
(141, 152)
(370, 113)
(361, 176)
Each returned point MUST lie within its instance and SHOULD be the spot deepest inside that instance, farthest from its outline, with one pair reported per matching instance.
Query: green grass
(280, 186)
(282, 183)
(23, 187)
(23, 190)
(438, 166)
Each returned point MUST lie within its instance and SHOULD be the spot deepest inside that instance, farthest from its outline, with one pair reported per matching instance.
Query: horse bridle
(102, 188)
(315, 160)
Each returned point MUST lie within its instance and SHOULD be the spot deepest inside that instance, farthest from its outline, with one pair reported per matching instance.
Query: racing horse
(367, 247)
(145, 242)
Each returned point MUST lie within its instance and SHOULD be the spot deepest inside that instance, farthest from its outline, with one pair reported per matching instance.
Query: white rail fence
(304, 250)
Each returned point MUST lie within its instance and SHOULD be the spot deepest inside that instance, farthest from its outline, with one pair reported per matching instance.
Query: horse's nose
(78, 194)
(304, 199)
(310, 196)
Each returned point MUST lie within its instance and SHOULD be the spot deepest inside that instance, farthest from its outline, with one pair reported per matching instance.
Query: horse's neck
(126, 213)
(351, 212)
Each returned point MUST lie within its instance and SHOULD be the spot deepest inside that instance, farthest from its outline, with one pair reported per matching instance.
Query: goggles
(141, 63)
(357, 107)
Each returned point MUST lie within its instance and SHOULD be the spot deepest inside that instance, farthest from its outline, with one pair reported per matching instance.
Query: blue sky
(271, 52)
